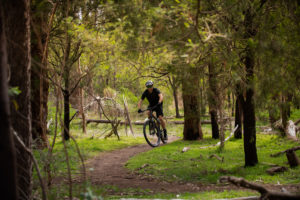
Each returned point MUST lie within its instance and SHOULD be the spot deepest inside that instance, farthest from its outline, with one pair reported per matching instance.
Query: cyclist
(155, 98)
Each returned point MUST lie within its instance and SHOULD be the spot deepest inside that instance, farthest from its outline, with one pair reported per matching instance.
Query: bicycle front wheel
(151, 133)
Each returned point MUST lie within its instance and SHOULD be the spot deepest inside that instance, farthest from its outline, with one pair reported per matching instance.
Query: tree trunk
(66, 112)
(249, 113)
(175, 95)
(212, 101)
(284, 113)
(81, 98)
(8, 171)
(16, 16)
(174, 86)
(66, 77)
(190, 93)
(248, 105)
(39, 83)
(238, 116)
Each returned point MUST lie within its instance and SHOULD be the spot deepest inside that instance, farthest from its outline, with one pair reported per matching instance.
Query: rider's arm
(140, 103)
(160, 97)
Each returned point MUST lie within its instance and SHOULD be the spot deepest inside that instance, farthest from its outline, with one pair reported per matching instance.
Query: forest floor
(109, 169)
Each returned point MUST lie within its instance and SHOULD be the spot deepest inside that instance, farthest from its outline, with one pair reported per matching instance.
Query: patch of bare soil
(109, 169)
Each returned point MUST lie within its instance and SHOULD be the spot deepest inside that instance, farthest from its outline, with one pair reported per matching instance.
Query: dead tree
(293, 160)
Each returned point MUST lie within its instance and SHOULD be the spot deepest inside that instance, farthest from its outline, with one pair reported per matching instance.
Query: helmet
(149, 84)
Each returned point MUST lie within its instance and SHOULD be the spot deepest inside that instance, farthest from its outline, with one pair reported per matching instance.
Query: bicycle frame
(152, 116)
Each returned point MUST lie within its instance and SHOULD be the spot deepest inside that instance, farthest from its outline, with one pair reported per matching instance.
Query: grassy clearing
(168, 163)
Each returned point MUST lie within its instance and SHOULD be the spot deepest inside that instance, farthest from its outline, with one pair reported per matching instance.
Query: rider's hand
(140, 111)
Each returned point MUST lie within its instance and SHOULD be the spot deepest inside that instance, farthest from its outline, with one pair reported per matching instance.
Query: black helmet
(149, 84)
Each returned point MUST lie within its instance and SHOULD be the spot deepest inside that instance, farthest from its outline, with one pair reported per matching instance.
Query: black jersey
(152, 97)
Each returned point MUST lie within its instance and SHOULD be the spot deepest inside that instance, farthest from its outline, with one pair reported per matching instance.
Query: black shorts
(158, 110)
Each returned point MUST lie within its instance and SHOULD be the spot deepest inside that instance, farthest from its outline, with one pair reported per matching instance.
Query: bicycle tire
(151, 133)
(162, 137)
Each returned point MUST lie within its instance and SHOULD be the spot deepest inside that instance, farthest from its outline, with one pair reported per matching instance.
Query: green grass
(199, 196)
(108, 192)
(168, 163)
(295, 115)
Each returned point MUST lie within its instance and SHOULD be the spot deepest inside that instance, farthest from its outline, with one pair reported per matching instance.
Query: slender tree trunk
(172, 81)
(212, 101)
(66, 110)
(222, 134)
(233, 105)
(16, 15)
(190, 93)
(66, 76)
(284, 113)
(175, 95)
(238, 115)
(81, 98)
(8, 172)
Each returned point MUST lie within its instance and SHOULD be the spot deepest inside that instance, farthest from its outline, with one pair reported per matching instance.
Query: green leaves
(14, 91)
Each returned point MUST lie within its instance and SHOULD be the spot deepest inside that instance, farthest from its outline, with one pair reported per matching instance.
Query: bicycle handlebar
(151, 108)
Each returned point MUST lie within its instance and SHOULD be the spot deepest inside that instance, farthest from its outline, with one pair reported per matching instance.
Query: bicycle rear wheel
(151, 133)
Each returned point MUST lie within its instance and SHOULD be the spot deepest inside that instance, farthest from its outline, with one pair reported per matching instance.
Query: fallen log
(276, 169)
(103, 121)
(265, 193)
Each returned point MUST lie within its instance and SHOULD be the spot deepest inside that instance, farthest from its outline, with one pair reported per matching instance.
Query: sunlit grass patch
(169, 163)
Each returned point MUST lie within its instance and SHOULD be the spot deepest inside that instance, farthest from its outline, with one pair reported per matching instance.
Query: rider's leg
(148, 113)
(160, 114)
(163, 124)
(162, 121)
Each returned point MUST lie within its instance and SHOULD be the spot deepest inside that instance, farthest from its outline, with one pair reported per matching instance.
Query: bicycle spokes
(151, 133)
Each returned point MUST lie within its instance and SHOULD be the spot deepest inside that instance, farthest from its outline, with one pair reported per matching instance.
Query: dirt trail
(108, 169)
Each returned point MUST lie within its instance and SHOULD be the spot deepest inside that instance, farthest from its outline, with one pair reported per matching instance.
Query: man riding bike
(155, 98)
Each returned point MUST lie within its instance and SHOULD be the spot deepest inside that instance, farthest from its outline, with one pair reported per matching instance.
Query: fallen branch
(265, 193)
(103, 121)
(282, 152)
(217, 157)
(219, 143)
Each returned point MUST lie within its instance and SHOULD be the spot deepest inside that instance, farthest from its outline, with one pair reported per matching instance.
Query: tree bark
(8, 172)
(174, 86)
(249, 113)
(238, 115)
(190, 93)
(175, 95)
(16, 15)
(212, 101)
(81, 99)
(248, 105)
(40, 85)
(284, 113)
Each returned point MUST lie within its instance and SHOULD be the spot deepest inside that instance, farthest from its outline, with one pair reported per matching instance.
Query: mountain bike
(152, 129)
